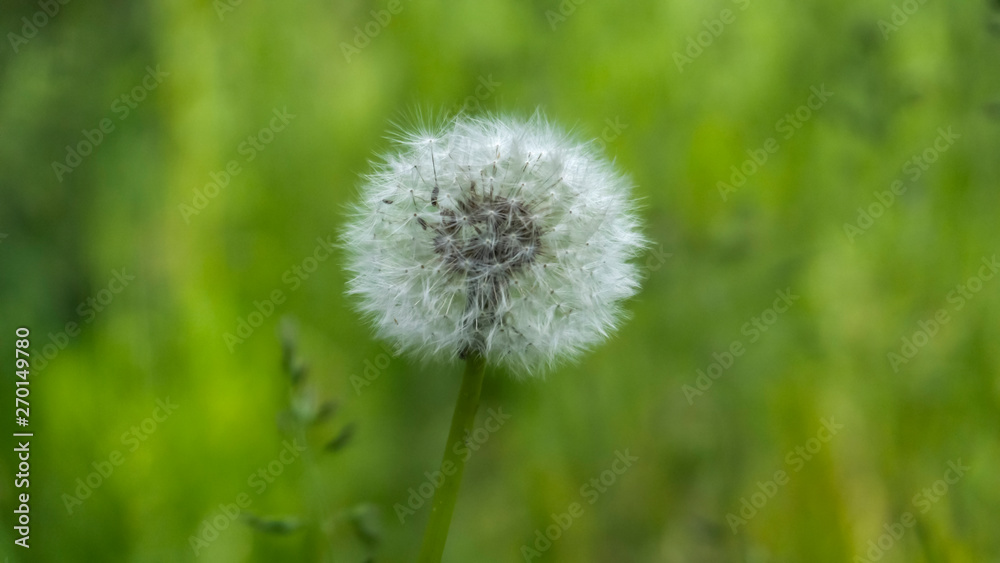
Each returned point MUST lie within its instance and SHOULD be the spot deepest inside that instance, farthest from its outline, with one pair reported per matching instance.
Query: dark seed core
(487, 238)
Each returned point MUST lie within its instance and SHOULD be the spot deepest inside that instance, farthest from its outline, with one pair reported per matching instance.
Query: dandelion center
(487, 238)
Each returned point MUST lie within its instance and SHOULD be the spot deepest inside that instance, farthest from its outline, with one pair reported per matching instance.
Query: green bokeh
(610, 71)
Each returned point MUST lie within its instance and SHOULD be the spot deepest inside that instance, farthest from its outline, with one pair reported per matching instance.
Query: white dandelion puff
(496, 236)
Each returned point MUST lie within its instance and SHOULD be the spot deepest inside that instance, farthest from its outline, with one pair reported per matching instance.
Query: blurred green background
(677, 93)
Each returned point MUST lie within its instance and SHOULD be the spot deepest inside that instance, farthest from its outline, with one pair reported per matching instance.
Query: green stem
(453, 464)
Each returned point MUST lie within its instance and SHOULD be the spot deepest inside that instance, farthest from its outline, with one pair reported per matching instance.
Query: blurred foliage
(608, 70)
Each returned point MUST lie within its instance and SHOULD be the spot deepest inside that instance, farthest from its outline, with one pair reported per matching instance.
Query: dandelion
(495, 240)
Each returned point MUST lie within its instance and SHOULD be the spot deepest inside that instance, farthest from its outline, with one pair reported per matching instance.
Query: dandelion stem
(453, 464)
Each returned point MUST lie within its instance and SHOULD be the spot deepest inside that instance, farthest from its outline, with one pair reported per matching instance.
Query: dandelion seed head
(494, 235)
